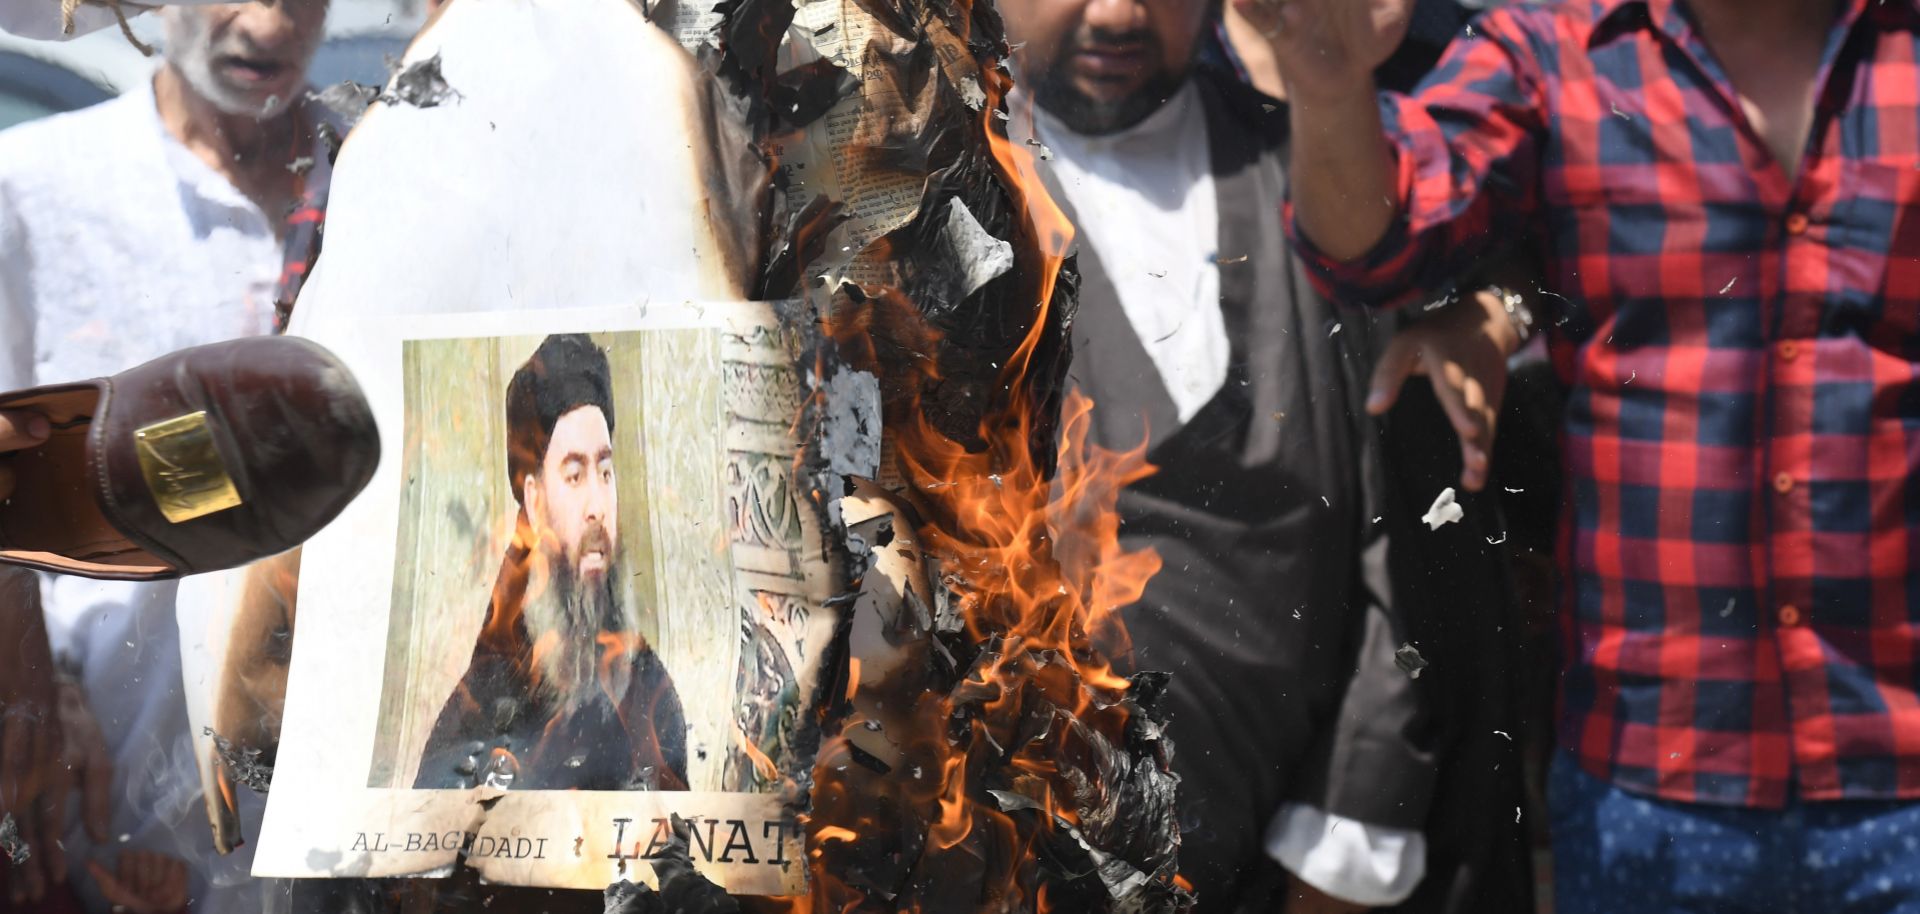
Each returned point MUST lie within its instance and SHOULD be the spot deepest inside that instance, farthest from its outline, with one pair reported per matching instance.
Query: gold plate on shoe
(183, 468)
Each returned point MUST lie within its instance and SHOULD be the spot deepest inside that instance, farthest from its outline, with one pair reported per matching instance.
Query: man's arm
(1352, 838)
(1342, 181)
(1341, 176)
(1370, 767)
(1351, 834)
(1395, 197)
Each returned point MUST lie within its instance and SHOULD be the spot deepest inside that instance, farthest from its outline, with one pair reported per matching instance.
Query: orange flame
(1031, 554)
(768, 771)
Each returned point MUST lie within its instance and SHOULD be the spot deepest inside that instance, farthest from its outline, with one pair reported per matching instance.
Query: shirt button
(1797, 224)
(1788, 349)
(1789, 615)
(1783, 483)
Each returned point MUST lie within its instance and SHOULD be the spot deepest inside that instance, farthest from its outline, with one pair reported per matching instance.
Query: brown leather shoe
(199, 460)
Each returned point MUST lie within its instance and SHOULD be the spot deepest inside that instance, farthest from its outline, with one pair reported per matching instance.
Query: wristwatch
(1517, 312)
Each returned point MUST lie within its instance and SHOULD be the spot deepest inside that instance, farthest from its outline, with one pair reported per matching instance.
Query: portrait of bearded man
(563, 692)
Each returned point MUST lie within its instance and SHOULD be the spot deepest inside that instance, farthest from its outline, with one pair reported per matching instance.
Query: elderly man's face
(245, 58)
(574, 493)
(1103, 65)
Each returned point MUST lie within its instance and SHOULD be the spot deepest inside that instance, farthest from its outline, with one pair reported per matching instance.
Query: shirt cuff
(1362, 864)
(1376, 278)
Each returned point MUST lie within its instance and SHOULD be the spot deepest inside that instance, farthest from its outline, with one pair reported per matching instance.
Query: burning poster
(980, 753)
(587, 591)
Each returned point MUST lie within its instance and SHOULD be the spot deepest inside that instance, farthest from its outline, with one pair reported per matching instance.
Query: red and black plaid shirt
(1743, 352)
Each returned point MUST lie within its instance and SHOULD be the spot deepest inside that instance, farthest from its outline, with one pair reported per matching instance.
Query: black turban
(567, 372)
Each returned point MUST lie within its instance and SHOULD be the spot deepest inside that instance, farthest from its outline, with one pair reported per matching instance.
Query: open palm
(1329, 48)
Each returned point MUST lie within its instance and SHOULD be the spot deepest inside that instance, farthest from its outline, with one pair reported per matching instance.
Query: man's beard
(1054, 91)
(578, 611)
(193, 56)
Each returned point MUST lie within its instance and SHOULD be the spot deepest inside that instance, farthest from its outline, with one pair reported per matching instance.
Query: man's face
(245, 58)
(1103, 65)
(574, 494)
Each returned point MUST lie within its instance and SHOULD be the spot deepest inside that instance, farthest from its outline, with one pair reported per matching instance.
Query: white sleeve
(41, 18)
(1363, 864)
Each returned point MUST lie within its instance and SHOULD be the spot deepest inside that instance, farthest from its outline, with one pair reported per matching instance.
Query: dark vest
(1258, 509)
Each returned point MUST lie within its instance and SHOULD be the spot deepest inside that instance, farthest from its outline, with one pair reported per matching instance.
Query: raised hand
(1328, 49)
(144, 883)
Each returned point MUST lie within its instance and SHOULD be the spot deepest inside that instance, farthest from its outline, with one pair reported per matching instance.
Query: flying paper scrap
(1444, 511)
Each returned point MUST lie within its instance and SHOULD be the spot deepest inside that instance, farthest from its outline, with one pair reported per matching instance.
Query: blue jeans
(1616, 852)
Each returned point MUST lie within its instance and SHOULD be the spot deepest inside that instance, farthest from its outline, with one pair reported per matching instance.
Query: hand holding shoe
(19, 430)
(202, 459)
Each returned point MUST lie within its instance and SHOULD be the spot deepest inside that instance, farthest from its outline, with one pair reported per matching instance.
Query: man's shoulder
(1534, 12)
(1542, 23)
(87, 142)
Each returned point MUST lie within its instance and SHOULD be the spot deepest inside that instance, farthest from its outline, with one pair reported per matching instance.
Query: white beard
(192, 57)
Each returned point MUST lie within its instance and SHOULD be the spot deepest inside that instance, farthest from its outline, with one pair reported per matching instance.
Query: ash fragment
(1092, 873)
(1125, 802)
(858, 543)
(242, 764)
(975, 256)
(625, 897)
(972, 95)
(867, 759)
(841, 600)
(1408, 659)
(947, 609)
(11, 844)
(420, 85)
(851, 436)
(1010, 801)
(330, 138)
(347, 100)
(1146, 689)
(682, 889)
(922, 615)
(301, 165)
(505, 712)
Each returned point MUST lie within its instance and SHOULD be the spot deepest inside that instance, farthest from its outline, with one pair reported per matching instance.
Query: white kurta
(1144, 201)
(117, 245)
